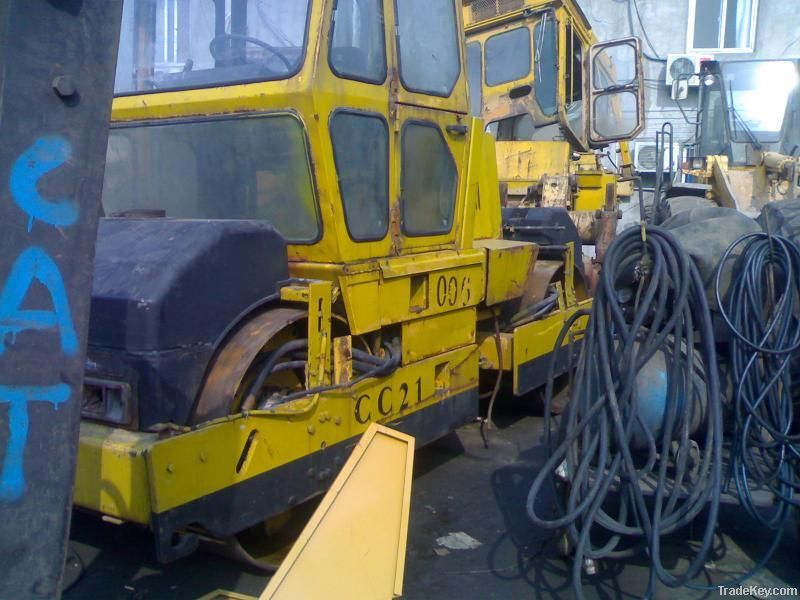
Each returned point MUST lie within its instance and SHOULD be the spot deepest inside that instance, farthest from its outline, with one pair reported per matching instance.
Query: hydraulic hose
(633, 497)
(761, 311)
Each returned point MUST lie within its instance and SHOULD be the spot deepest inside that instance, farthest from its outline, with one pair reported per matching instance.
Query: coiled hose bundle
(761, 311)
(629, 483)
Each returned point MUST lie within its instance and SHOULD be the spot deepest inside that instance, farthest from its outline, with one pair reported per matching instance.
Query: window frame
(571, 34)
(459, 35)
(544, 17)
(480, 76)
(235, 117)
(531, 61)
(435, 126)
(382, 119)
(721, 33)
(301, 64)
(383, 41)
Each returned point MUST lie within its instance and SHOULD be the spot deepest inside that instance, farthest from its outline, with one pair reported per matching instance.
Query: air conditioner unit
(644, 157)
(679, 65)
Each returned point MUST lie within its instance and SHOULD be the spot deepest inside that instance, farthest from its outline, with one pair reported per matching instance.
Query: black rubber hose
(668, 313)
(394, 357)
(269, 365)
(533, 312)
(761, 311)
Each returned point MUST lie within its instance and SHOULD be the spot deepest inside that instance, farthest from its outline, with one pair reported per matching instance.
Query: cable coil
(621, 500)
(761, 311)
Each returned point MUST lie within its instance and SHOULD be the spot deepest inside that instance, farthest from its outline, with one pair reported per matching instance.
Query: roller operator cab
(554, 99)
(302, 236)
(748, 133)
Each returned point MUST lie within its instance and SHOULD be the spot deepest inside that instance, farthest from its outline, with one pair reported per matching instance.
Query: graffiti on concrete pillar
(34, 266)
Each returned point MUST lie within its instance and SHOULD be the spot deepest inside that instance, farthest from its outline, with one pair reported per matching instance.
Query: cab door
(616, 109)
(573, 105)
(429, 108)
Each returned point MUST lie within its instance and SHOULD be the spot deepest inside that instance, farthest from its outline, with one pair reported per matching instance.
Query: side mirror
(680, 89)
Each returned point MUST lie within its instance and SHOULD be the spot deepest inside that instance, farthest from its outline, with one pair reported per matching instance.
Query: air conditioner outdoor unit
(644, 157)
(684, 64)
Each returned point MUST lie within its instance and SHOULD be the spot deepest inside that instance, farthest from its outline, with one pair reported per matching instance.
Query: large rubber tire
(782, 218)
(672, 206)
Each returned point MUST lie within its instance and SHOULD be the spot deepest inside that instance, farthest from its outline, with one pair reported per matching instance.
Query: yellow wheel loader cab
(554, 99)
(747, 152)
(303, 236)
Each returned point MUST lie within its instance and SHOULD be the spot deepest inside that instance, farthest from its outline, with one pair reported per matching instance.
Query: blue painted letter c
(45, 155)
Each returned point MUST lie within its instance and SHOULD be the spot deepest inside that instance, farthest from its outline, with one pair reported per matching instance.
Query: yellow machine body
(748, 188)
(439, 296)
(541, 113)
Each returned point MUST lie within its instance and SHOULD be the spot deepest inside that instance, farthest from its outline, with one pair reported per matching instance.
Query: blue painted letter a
(34, 264)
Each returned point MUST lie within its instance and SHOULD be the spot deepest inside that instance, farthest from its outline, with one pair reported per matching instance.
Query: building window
(722, 25)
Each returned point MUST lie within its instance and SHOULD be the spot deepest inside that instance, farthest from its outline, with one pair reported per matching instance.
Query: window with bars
(722, 25)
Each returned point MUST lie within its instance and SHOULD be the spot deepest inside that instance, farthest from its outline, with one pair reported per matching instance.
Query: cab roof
(479, 14)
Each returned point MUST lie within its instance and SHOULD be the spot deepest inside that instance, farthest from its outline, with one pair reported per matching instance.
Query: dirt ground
(459, 486)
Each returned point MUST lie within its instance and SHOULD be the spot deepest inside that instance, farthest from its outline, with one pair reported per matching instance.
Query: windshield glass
(761, 94)
(234, 168)
(171, 44)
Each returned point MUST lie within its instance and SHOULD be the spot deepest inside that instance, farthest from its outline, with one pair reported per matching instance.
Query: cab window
(361, 151)
(546, 67)
(429, 181)
(232, 168)
(574, 83)
(428, 38)
(513, 129)
(475, 77)
(174, 44)
(508, 56)
(358, 48)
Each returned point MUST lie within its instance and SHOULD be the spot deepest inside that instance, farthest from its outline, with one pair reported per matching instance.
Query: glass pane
(508, 56)
(428, 40)
(614, 65)
(616, 115)
(253, 168)
(168, 44)
(574, 67)
(475, 73)
(576, 117)
(790, 135)
(358, 48)
(713, 133)
(759, 93)
(514, 129)
(707, 23)
(361, 150)
(546, 74)
(739, 23)
(429, 181)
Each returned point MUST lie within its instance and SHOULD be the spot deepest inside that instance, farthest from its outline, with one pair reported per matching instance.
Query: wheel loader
(302, 236)
(747, 145)
(535, 76)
